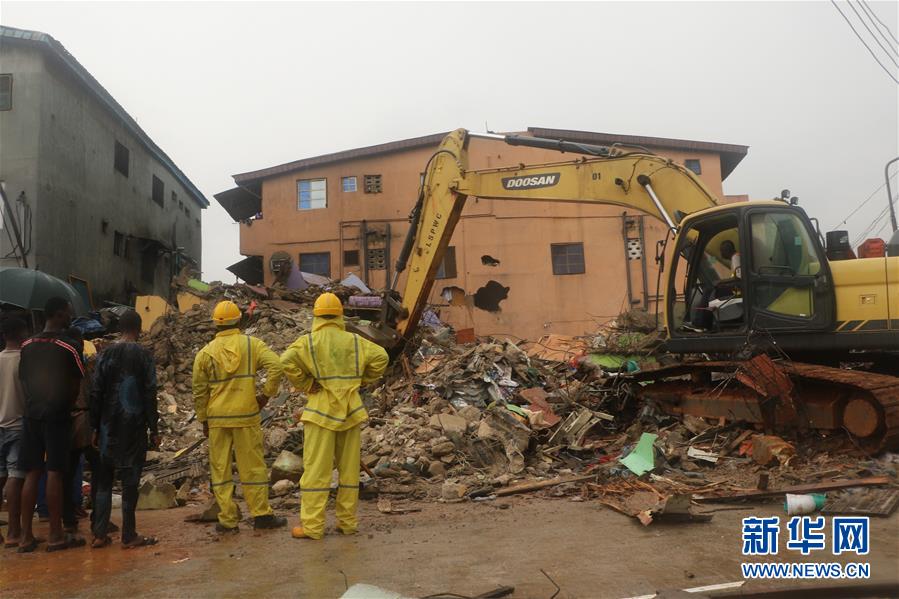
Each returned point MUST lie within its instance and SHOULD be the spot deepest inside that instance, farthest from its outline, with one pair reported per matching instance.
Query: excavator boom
(635, 180)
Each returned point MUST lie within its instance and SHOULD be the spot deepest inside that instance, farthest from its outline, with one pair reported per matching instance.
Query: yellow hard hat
(226, 313)
(327, 304)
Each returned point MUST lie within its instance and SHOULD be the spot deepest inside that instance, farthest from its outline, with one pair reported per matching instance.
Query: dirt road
(465, 548)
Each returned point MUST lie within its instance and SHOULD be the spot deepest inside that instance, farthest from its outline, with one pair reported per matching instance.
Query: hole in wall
(490, 295)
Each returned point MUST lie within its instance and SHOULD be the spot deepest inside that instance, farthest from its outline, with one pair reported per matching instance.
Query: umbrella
(30, 289)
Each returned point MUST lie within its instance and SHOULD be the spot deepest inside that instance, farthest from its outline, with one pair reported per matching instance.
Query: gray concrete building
(87, 194)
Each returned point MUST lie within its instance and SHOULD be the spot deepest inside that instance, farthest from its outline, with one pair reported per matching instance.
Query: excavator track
(783, 395)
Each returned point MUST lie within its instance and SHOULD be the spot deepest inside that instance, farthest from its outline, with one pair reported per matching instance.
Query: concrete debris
(454, 420)
(283, 487)
(451, 491)
(153, 496)
(210, 513)
(450, 425)
(288, 466)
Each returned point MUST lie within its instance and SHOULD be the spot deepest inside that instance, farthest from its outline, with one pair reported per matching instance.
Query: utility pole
(886, 173)
(893, 244)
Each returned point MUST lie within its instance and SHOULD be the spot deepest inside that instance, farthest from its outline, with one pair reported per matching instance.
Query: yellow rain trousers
(337, 362)
(224, 389)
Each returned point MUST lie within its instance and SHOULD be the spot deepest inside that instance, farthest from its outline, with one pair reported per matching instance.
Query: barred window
(372, 183)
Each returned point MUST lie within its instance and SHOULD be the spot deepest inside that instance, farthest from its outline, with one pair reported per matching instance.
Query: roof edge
(50, 43)
(366, 151)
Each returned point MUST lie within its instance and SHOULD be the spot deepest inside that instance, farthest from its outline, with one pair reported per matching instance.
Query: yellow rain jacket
(224, 379)
(340, 362)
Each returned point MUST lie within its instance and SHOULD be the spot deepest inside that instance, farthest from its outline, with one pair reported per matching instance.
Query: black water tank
(838, 247)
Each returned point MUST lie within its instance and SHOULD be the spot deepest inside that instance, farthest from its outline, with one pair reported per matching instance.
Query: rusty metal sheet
(765, 377)
(870, 502)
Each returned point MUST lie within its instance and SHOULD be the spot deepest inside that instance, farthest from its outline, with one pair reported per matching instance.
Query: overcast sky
(225, 88)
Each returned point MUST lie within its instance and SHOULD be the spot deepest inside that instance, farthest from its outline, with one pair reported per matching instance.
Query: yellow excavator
(746, 279)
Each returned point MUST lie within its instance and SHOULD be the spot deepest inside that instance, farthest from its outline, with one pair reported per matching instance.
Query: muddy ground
(466, 548)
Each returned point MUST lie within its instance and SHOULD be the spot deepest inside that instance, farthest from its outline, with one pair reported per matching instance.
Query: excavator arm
(636, 180)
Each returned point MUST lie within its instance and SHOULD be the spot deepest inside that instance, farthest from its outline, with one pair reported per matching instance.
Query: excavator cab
(756, 266)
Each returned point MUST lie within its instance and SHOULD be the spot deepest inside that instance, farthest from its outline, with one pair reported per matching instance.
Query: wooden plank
(829, 485)
(528, 487)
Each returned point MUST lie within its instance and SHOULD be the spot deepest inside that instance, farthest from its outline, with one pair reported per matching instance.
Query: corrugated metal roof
(239, 203)
(50, 44)
(730, 154)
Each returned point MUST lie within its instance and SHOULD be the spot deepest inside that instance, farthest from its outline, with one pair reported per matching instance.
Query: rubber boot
(219, 528)
(269, 521)
(299, 533)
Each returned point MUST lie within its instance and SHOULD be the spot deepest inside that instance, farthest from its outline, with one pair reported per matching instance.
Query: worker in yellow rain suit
(329, 365)
(224, 392)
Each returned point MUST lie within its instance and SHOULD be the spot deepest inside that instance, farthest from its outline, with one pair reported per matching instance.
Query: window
(693, 165)
(348, 184)
(5, 92)
(784, 260)
(174, 197)
(118, 244)
(568, 258)
(351, 257)
(158, 190)
(312, 194)
(372, 183)
(447, 268)
(318, 263)
(121, 159)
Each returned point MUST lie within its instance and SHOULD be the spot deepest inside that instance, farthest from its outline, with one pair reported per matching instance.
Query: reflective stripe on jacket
(224, 379)
(340, 362)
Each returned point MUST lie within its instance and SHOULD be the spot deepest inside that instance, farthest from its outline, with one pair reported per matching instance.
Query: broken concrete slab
(288, 466)
(449, 423)
(443, 449)
(451, 491)
(157, 496)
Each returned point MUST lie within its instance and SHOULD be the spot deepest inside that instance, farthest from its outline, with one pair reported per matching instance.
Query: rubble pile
(482, 414)
(453, 422)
